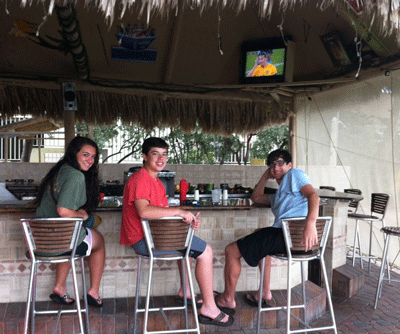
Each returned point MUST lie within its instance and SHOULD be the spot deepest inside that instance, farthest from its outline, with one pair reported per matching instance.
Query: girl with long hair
(71, 189)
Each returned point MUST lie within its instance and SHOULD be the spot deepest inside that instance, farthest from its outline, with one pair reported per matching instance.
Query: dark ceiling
(187, 43)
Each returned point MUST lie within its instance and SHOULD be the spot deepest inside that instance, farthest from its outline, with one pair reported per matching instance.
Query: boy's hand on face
(268, 174)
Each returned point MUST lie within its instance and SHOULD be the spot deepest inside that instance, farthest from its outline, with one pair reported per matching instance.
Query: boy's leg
(205, 278)
(266, 292)
(180, 292)
(231, 273)
(267, 295)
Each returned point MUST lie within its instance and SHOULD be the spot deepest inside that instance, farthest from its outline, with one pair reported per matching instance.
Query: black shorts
(267, 241)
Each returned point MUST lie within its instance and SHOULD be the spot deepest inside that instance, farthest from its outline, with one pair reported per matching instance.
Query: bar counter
(220, 226)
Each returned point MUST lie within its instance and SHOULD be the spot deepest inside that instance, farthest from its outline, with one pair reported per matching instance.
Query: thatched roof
(385, 11)
(220, 112)
(192, 81)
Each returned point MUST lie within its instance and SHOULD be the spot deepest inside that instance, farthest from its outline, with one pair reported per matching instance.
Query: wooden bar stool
(379, 204)
(293, 232)
(51, 236)
(172, 235)
(388, 232)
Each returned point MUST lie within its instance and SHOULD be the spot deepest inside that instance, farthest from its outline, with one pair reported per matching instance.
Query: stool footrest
(155, 309)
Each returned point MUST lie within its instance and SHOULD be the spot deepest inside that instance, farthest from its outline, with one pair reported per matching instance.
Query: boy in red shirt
(145, 197)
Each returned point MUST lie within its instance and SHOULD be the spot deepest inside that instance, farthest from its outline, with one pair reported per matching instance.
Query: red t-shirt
(139, 186)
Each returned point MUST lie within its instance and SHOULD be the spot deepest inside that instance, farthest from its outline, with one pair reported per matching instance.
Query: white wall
(350, 138)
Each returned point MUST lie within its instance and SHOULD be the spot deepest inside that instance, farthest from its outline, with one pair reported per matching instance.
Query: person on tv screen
(263, 66)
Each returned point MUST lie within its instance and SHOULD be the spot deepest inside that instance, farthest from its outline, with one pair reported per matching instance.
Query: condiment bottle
(183, 189)
(196, 195)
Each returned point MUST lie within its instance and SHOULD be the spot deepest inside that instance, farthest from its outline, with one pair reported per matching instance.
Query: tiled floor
(354, 315)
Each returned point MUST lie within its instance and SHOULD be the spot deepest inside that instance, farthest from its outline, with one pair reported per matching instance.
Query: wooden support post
(69, 126)
(292, 139)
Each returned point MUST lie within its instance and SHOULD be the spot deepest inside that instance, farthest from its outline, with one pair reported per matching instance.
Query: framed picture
(335, 47)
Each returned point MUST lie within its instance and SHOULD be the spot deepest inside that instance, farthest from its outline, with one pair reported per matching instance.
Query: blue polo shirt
(288, 202)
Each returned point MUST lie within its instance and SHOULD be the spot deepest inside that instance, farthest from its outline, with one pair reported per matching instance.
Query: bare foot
(223, 302)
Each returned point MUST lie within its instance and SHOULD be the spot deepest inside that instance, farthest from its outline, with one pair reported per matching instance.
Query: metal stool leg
(196, 318)
(77, 299)
(260, 294)
(328, 295)
(33, 306)
(303, 291)
(147, 305)
(184, 292)
(357, 242)
(289, 295)
(382, 271)
(85, 295)
(29, 300)
(139, 270)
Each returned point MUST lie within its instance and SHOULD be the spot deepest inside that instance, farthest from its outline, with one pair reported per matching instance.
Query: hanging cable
(219, 34)
(44, 20)
(280, 27)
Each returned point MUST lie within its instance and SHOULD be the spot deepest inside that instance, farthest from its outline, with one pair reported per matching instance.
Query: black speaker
(69, 96)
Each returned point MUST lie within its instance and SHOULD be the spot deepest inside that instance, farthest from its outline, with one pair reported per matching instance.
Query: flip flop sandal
(94, 302)
(179, 300)
(217, 321)
(251, 300)
(227, 310)
(61, 300)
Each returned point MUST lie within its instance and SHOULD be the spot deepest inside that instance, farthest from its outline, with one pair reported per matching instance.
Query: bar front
(220, 226)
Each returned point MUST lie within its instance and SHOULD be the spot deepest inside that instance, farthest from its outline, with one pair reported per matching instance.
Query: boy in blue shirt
(295, 197)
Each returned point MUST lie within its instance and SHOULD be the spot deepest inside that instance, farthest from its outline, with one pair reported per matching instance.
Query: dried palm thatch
(385, 11)
(219, 112)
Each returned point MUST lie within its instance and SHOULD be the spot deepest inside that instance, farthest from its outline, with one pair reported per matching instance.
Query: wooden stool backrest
(353, 204)
(52, 235)
(295, 228)
(379, 202)
(169, 233)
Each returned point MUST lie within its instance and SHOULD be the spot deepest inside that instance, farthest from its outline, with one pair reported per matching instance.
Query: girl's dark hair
(91, 176)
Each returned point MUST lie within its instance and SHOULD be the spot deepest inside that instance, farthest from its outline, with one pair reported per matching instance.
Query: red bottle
(183, 189)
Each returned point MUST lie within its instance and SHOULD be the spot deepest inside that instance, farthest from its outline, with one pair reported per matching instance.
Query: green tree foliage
(269, 139)
(191, 148)
(101, 134)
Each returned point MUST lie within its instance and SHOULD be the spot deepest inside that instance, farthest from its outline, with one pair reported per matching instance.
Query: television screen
(266, 61)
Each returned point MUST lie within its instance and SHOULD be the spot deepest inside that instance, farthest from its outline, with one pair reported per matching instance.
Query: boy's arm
(258, 195)
(147, 211)
(310, 237)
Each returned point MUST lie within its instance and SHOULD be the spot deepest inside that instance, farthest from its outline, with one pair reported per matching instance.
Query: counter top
(326, 194)
(11, 208)
(26, 206)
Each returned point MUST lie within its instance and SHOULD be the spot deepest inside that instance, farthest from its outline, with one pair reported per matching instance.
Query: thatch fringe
(386, 12)
(221, 113)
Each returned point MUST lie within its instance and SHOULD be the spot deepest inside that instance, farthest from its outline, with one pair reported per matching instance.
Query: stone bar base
(347, 281)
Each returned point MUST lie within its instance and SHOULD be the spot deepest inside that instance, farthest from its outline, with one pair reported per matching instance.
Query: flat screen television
(267, 60)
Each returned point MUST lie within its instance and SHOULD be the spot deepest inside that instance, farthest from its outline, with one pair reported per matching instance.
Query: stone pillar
(335, 253)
